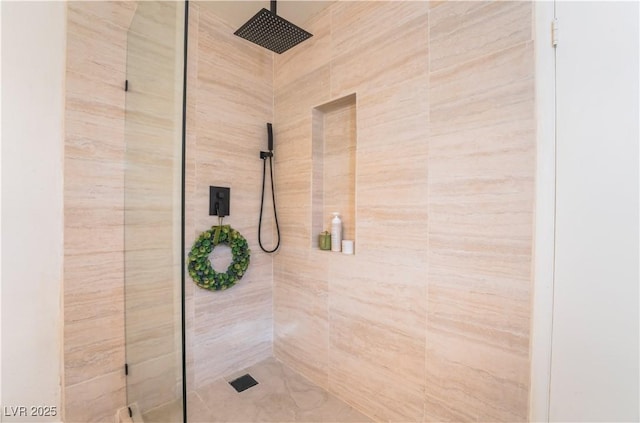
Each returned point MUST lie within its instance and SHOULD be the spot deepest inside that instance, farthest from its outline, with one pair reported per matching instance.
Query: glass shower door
(153, 195)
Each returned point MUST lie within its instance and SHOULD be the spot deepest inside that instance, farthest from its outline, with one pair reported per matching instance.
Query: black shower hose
(273, 197)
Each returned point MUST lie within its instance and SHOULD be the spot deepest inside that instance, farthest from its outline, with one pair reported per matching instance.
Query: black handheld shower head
(272, 32)
(269, 153)
(270, 142)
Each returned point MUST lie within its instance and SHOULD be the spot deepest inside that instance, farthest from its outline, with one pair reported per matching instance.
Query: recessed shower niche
(334, 166)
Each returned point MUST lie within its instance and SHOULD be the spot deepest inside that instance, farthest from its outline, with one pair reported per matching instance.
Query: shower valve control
(219, 201)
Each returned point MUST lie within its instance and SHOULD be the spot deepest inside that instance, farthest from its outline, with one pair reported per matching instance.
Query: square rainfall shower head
(272, 32)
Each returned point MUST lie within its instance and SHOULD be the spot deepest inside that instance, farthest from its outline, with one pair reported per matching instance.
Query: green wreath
(200, 268)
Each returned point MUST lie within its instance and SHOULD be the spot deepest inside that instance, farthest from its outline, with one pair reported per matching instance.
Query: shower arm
(273, 7)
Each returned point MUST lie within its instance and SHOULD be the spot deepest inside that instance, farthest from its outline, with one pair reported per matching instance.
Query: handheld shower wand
(269, 153)
(264, 155)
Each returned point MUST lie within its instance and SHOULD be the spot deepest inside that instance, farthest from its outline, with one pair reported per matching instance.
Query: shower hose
(273, 198)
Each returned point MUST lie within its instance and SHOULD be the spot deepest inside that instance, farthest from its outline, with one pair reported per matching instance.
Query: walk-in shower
(419, 102)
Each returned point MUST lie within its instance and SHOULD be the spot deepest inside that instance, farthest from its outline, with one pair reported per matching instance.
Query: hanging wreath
(200, 269)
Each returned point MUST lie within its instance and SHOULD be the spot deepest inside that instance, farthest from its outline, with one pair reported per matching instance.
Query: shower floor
(281, 395)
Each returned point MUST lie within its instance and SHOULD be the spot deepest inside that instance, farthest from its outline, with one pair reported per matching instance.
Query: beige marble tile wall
(152, 197)
(356, 324)
(481, 167)
(430, 319)
(230, 99)
(94, 383)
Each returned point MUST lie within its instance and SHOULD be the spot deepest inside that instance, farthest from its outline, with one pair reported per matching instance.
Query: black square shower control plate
(243, 383)
(219, 201)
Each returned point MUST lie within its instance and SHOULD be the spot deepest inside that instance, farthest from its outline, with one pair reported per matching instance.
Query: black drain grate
(243, 383)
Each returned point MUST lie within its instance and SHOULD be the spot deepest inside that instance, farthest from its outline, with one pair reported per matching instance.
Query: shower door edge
(182, 202)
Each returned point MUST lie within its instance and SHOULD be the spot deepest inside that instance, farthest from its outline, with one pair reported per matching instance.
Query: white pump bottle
(336, 232)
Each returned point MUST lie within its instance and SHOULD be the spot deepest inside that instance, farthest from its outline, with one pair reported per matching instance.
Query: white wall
(594, 361)
(33, 66)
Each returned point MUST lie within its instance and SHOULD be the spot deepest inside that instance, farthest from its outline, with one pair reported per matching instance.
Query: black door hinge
(126, 85)
(126, 369)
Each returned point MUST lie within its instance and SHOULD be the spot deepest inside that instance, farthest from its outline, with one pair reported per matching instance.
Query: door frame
(544, 212)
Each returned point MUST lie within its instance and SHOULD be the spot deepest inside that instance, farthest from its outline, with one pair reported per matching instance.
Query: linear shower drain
(243, 383)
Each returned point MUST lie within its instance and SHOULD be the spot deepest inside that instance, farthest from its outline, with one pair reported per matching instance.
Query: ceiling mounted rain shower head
(270, 31)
